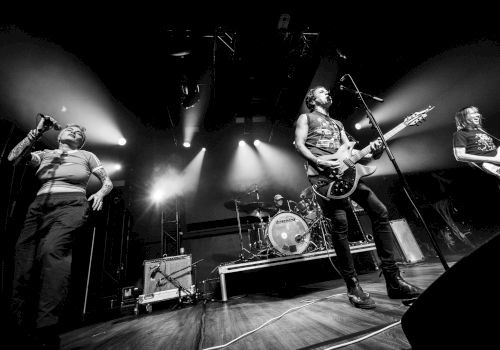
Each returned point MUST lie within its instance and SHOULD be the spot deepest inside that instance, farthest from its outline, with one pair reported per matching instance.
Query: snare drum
(288, 233)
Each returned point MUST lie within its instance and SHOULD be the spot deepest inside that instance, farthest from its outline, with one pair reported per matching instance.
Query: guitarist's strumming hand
(325, 164)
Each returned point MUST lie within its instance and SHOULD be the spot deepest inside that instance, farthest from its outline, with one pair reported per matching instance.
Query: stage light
(186, 144)
(242, 143)
(203, 149)
(118, 166)
(157, 196)
(357, 126)
(256, 142)
(122, 141)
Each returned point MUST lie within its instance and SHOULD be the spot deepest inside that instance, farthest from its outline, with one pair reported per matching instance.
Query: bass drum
(288, 233)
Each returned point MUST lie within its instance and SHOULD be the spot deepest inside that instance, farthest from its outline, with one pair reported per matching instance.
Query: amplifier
(406, 242)
(167, 273)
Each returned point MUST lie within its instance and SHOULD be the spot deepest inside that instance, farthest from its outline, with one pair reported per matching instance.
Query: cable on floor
(272, 320)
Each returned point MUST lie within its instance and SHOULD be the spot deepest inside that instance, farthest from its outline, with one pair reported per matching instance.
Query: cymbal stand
(242, 249)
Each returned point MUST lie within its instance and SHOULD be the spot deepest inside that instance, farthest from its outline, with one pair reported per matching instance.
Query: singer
(317, 134)
(59, 212)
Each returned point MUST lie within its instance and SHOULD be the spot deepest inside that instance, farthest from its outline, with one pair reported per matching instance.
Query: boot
(357, 296)
(398, 288)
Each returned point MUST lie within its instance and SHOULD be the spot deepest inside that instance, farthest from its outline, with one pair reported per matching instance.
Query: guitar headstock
(418, 117)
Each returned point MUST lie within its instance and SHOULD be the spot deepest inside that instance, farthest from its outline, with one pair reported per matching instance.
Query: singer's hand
(46, 123)
(97, 197)
(33, 134)
(42, 127)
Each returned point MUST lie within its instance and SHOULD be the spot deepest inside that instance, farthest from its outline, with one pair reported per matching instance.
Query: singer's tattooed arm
(107, 186)
(21, 146)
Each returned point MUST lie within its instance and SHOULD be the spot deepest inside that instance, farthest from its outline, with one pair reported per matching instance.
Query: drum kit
(300, 229)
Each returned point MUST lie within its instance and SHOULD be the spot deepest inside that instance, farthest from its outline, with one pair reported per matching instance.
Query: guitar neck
(357, 157)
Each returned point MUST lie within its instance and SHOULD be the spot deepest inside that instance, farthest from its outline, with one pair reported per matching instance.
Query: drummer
(279, 203)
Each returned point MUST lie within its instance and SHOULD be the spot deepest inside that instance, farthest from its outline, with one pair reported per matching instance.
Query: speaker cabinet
(167, 274)
(406, 243)
(458, 310)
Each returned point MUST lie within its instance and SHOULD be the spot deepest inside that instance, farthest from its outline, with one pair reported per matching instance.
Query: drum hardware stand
(242, 249)
(363, 233)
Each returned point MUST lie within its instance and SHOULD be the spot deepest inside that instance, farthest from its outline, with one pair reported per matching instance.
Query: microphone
(340, 54)
(342, 78)
(50, 122)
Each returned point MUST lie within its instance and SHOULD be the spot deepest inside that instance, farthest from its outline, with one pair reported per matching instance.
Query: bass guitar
(344, 179)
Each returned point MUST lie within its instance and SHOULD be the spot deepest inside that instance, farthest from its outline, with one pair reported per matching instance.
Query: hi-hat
(259, 213)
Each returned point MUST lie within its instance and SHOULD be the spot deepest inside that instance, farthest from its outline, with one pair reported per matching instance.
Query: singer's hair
(461, 117)
(310, 97)
(82, 129)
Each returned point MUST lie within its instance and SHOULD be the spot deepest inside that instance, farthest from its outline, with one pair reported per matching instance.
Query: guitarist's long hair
(461, 118)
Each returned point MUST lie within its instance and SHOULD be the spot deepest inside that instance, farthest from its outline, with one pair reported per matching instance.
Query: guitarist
(472, 144)
(317, 134)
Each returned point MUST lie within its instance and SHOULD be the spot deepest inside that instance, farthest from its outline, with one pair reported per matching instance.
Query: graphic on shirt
(328, 137)
(484, 142)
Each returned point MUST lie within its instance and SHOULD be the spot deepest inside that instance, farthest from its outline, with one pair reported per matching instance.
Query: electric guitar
(344, 179)
(489, 168)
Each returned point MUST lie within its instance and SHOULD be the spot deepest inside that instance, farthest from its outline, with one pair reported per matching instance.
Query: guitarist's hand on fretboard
(376, 145)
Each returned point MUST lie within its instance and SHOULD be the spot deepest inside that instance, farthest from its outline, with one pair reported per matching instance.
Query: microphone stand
(406, 187)
(342, 87)
(177, 284)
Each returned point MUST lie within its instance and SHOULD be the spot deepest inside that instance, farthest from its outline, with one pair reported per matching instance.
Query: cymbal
(252, 206)
(231, 205)
(259, 213)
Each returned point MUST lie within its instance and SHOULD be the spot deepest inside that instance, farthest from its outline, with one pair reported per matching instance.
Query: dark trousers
(43, 255)
(335, 210)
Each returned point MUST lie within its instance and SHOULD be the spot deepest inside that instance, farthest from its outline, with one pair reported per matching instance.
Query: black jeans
(43, 257)
(335, 210)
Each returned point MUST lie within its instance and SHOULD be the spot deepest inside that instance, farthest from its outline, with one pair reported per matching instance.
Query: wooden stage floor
(313, 316)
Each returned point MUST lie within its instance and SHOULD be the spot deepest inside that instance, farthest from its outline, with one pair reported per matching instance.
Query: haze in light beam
(191, 175)
(245, 169)
(40, 77)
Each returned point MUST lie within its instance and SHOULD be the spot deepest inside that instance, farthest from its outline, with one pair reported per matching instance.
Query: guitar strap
(483, 131)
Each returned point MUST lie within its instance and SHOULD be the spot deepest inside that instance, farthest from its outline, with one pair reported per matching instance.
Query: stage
(312, 316)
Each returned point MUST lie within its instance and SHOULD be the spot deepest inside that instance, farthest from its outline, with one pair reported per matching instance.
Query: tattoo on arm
(107, 185)
(19, 148)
